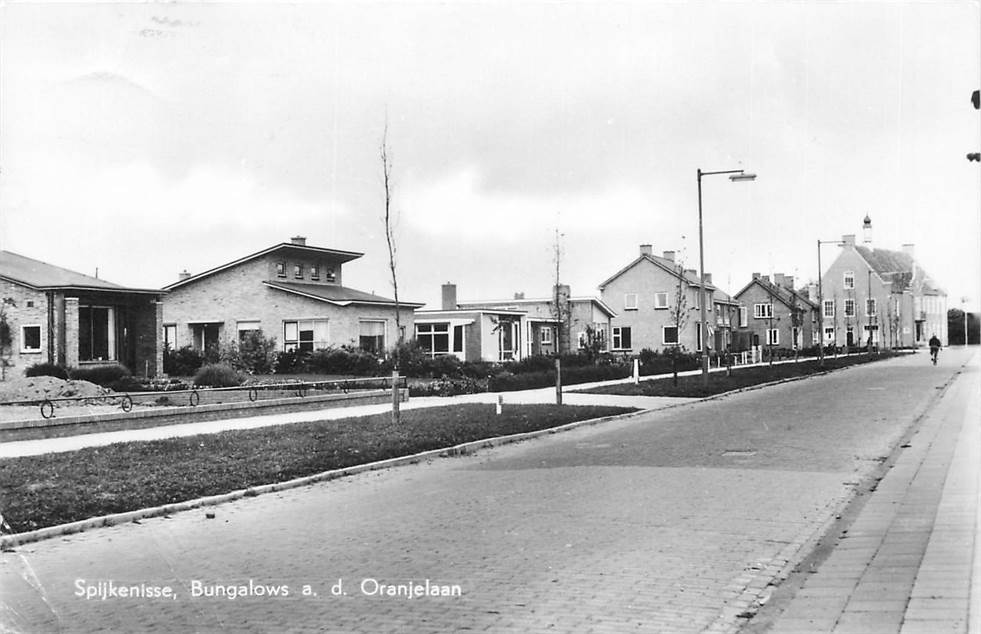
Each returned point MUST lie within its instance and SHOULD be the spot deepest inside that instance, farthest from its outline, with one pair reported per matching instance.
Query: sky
(139, 140)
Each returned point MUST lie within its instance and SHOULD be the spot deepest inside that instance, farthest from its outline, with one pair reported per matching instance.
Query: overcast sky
(143, 139)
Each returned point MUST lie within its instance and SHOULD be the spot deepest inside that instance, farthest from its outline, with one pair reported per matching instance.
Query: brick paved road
(672, 521)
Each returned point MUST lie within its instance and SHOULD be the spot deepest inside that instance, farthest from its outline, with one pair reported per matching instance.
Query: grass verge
(47, 490)
(719, 382)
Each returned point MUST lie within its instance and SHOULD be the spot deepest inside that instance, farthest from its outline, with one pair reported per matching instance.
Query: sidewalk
(911, 561)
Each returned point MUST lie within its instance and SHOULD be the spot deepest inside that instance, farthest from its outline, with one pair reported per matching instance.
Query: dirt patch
(38, 388)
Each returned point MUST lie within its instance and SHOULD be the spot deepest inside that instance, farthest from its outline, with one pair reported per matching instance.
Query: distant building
(775, 314)
(510, 330)
(70, 319)
(882, 294)
(291, 291)
(647, 294)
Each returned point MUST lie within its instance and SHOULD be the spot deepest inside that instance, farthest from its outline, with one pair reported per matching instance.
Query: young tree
(386, 162)
(560, 304)
(679, 317)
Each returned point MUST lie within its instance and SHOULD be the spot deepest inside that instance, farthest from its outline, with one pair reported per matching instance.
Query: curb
(17, 539)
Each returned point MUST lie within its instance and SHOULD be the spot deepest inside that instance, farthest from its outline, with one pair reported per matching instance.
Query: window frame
(384, 335)
(290, 344)
(545, 335)
(664, 335)
(871, 303)
(627, 303)
(431, 332)
(849, 304)
(617, 338)
(297, 271)
(23, 339)
(773, 336)
(281, 269)
(658, 304)
(848, 280)
(743, 316)
(829, 304)
(763, 311)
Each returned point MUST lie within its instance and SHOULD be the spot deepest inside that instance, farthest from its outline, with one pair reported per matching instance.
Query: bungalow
(290, 291)
(55, 315)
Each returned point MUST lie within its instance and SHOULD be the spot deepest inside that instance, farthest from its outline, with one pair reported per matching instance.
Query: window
(630, 301)
(621, 338)
(660, 300)
(315, 272)
(306, 335)
(743, 317)
(669, 335)
(874, 330)
(170, 336)
(329, 274)
(829, 308)
(245, 328)
(371, 336)
(96, 333)
(280, 269)
(546, 333)
(829, 335)
(298, 271)
(762, 311)
(795, 335)
(30, 338)
(457, 338)
(870, 306)
(849, 308)
(849, 279)
(434, 339)
(772, 337)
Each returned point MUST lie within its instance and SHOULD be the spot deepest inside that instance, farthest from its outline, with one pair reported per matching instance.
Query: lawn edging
(17, 539)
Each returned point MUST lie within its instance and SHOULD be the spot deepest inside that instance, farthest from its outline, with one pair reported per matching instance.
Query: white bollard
(636, 371)
(500, 404)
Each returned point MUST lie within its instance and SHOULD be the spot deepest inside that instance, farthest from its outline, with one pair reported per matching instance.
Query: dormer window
(280, 269)
(298, 271)
(329, 274)
(315, 272)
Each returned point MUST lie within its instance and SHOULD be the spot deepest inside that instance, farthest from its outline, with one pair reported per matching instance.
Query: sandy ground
(47, 387)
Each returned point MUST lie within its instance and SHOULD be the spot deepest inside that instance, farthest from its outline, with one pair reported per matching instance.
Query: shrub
(508, 382)
(254, 353)
(47, 369)
(446, 386)
(290, 361)
(217, 375)
(183, 361)
(343, 360)
(103, 375)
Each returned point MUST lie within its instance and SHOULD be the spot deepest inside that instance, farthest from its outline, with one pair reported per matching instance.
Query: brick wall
(20, 313)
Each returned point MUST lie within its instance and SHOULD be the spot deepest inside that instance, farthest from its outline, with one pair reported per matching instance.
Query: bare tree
(679, 317)
(560, 310)
(390, 240)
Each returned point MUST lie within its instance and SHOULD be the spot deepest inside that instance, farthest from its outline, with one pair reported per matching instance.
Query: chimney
(812, 291)
(562, 292)
(449, 296)
(848, 239)
(778, 279)
(909, 249)
(765, 278)
(669, 255)
(183, 275)
(646, 249)
(708, 278)
(756, 276)
(299, 240)
(867, 231)
(788, 282)
(691, 272)
(520, 295)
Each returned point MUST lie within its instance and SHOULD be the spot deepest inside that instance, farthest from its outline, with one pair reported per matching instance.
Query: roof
(899, 268)
(286, 247)
(542, 300)
(338, 295)
(786, 296)
(670, 266)
(43, 276)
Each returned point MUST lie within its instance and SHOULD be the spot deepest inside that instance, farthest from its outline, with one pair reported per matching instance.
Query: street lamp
(821, 303)
(734, 176)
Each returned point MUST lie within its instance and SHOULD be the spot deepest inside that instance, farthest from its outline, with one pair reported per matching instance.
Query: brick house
(882, 293)
(291, 291)
(775, 314)
(578, 322)
(645, 294)
(70, 319)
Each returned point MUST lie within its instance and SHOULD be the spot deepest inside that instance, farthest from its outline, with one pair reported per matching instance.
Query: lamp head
(742, 176)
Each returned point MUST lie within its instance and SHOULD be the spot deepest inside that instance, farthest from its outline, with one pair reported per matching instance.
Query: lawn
(47, 490)
(719, 382)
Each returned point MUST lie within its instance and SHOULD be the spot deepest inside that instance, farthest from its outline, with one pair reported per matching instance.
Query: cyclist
(934, 348)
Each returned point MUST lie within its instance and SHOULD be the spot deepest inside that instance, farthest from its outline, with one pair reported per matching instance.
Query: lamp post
(734, 176)
(821, 303)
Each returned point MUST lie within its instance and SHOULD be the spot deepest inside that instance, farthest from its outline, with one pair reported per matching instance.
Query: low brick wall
(218, 411)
